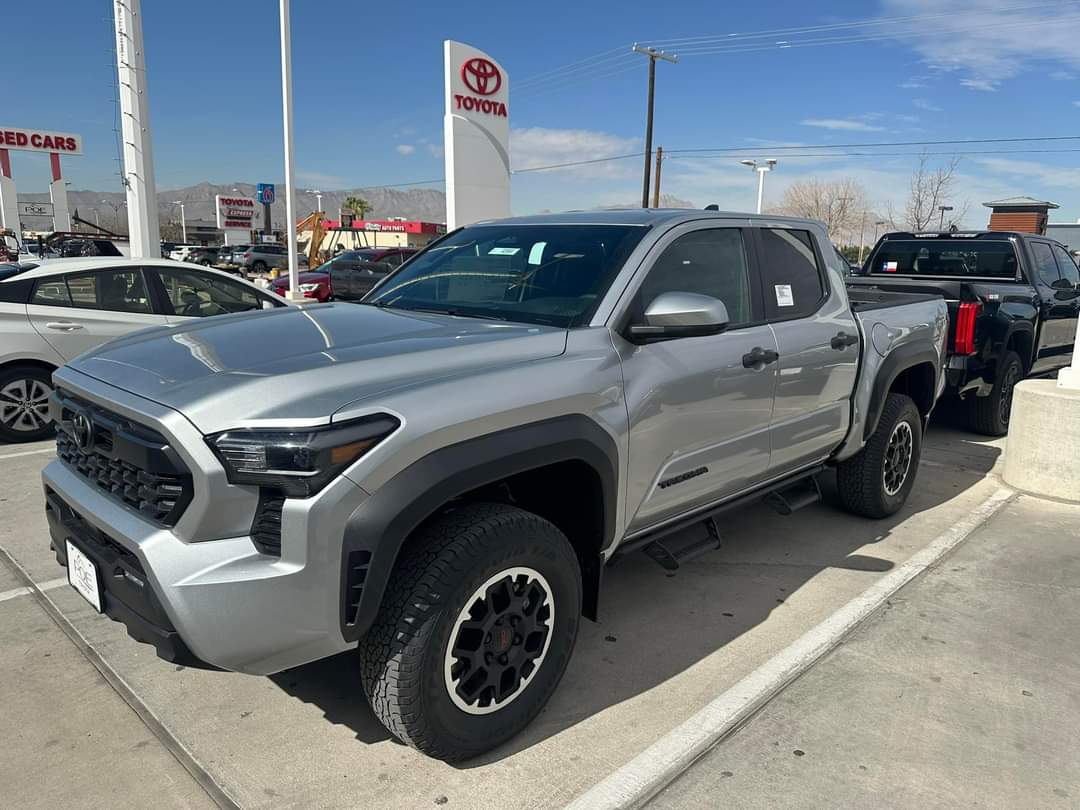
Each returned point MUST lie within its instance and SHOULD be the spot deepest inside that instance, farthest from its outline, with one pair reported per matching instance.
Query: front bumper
(227, 604)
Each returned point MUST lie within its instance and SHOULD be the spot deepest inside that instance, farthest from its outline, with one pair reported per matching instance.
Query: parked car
(1014, 300)
(439, 475)
(53, 312)
(312, 284)
(229, 256)
(206, 256)
(261, 258)
(180, 252)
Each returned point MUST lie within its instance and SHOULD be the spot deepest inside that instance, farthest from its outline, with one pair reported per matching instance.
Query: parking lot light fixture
(318, 198)
(183, 219)
(770, 163)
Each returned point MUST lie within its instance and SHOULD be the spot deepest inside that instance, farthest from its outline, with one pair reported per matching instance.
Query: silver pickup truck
(439, 474)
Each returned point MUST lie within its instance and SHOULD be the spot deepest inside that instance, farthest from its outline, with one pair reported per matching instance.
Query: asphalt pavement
(305, 737)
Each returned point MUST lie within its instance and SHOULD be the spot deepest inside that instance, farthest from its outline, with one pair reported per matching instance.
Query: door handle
(843, 340)
(759, 357)
(63, 326)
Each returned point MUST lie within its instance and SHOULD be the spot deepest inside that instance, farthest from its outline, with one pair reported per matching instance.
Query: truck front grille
(131, 462)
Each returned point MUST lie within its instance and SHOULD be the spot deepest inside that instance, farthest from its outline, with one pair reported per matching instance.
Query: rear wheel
(876, 481)
(475, 630)
(990, 415)
(258, 267)
(24, 404)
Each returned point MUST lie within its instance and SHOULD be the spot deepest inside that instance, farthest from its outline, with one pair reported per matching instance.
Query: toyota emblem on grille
(83, 430)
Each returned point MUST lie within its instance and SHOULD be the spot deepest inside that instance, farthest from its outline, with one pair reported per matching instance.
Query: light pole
(116, 211)
(768, 167)
(183, 220)
(862, 236)
(941, 220)
(318, 198)
(293, 293)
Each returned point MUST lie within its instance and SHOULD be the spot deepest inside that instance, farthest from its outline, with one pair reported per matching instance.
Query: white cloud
(435, 150)
(532, 147)
(405, 148)
(988, 42)
(923, 104)
(843, 124)
(1061, 75)
(320, 179)
(1033, 174)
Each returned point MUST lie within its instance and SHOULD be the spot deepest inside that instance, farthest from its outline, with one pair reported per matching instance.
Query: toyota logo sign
(481, 76)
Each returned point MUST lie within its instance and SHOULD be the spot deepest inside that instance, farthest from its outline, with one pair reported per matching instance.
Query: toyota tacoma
(439, 474)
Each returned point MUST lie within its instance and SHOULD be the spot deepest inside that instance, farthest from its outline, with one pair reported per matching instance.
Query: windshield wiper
(457, 313)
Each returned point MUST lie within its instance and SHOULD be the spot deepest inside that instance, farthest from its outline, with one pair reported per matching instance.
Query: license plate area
(83, 575)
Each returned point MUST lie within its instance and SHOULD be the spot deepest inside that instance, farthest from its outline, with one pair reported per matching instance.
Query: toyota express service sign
(477, 136)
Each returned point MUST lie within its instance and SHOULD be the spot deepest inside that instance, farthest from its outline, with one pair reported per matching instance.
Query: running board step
(795, 497)
(674, 549)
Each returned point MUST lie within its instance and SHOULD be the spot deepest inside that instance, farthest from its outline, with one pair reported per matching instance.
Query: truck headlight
(298, 462)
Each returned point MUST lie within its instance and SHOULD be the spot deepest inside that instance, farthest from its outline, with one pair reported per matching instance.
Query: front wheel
(877, 480)
(24, 404)
(475, 630)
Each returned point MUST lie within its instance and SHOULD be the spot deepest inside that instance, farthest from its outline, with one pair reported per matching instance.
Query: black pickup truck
(1013, 302)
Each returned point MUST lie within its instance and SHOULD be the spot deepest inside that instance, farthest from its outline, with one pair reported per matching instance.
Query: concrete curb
(634, 784)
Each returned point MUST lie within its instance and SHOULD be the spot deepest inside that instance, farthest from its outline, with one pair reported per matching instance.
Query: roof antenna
(713, 207)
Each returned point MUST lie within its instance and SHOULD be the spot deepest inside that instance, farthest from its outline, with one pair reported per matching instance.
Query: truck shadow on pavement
(693, 613)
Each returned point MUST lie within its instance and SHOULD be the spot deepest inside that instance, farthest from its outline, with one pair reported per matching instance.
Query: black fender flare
(376, 530)
(897, 362)
(1016, 328)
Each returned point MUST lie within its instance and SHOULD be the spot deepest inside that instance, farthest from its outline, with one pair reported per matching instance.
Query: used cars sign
(40, 140)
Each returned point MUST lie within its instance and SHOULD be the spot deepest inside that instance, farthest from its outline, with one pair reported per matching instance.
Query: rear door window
(1067, 266)
(790, 273)
(1045, 265)
(51, 292)
(199, 295)
(120, 290)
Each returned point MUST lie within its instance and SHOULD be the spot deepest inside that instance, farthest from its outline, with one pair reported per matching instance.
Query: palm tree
(358, 205)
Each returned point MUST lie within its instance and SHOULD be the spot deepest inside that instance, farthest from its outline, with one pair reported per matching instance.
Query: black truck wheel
(990, 415)
(876, 481)
(474, 632)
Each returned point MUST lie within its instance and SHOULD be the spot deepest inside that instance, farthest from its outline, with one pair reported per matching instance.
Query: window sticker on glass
(891, 267)
(503, 251)
(784, 297)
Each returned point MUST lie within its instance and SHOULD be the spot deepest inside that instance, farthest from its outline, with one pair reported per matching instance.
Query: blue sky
(368, 81)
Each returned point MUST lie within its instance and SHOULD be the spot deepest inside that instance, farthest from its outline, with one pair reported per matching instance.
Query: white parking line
(29, 453)
(45, 586)
(632, 785)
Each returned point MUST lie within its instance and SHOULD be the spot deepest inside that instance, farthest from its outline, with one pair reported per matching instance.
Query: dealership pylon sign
(476, 131)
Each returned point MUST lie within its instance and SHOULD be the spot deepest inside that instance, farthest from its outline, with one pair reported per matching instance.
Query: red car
(313, 284)
(349, 275)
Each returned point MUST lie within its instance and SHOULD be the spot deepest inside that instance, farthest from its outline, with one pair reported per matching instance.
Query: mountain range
(106, 207)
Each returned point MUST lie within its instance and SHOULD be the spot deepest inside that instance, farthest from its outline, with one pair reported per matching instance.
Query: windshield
(945, 257)
(546, 274)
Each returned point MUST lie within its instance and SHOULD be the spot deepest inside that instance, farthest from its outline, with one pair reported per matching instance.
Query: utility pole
(138, 168)
(656, 183)
(653, 55)
(862, 236)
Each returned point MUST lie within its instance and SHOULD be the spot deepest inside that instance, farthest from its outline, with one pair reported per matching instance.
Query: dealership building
(375, 233)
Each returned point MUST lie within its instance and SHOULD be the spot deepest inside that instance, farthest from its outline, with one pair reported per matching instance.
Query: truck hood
(304, 364)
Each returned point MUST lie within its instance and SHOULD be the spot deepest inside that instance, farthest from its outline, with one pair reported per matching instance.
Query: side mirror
(1063, 284)
(681, 314)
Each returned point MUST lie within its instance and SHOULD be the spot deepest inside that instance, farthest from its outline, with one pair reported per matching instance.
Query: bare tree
(841, 204)
(931, 190)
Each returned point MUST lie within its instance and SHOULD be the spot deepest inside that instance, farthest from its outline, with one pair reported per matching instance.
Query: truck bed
(865, 298)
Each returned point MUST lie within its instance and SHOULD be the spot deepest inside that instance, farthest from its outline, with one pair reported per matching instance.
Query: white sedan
(52, 312)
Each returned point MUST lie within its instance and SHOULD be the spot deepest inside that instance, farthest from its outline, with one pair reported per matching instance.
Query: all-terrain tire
(990, 415)
(871, 482)
(24, 400)
(405, 669)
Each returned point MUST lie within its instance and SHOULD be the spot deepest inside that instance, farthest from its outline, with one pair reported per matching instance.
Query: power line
(576, 163)
(963, 153)
(872, 145)
(868, 22)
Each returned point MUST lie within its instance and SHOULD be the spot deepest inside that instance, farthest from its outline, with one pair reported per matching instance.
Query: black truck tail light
(966, 315)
